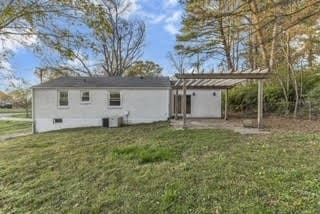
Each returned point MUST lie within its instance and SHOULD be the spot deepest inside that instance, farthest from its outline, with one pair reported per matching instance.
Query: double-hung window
(85, 96)
(114, 99)
(63, 98)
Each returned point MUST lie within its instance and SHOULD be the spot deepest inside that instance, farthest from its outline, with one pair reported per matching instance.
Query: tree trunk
(272, 51)
(296, 90)
(258, 29)
(293, 75)
(226, 46)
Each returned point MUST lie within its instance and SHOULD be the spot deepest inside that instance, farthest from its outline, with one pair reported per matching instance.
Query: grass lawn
(155, 169)
(13, 127)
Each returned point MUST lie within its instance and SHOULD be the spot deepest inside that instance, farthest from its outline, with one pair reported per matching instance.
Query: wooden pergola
(223, 81)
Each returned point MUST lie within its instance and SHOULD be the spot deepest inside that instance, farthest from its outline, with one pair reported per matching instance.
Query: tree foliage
(43, 25)
(282, 36)
(83, 36)
(49, 73)
(4, 96)
(144, 68)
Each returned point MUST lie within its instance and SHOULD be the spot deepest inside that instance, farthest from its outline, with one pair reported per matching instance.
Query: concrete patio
(235, 125)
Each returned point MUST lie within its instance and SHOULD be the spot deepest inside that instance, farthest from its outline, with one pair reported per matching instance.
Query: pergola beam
(211, 82)
(178, 82)
(204, 87)
(238, 76)
(196, 82)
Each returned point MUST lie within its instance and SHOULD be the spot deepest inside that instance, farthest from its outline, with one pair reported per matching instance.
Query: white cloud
(6, 74)
(170, 17)
(170, 3)
(5, 69)
(132, 7)
(127, 8)
(175, 17)
(15, 42)
(158, 19)
(9, 45)
(172, 22)
(151, 18)
(172, 29)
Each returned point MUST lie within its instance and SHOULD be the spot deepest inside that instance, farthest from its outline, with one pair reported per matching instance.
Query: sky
(162, 19)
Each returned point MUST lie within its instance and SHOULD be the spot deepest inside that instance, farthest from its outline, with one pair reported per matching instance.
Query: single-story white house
(73, 102)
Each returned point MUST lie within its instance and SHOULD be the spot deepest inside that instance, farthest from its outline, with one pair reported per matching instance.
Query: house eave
(165, 88)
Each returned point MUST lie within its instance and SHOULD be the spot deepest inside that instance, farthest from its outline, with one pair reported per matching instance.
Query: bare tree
(123, 46)
(178, 61)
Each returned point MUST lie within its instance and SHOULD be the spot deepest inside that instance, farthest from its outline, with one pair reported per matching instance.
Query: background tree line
(282, 36)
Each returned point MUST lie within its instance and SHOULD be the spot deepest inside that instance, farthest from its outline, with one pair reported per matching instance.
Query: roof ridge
(105, 82)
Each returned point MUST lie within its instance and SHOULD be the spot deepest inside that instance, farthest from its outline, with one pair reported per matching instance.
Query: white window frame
(85, 102)
(63, 106)
(109, 99)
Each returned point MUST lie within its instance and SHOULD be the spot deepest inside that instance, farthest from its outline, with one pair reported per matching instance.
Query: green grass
(155, 169)
(13, 127)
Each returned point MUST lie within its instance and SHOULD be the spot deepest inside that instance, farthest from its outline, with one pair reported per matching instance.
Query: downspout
(170, 103)
(33, 113)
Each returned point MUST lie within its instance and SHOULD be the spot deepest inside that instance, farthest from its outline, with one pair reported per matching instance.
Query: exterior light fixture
(214, 94)
(193, 94)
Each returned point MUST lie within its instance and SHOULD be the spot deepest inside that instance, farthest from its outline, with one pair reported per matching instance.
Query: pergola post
(260, 103)
(184, 103)
(226, 104)
(176, 104)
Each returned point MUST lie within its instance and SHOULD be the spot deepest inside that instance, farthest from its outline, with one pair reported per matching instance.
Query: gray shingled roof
(107, 82)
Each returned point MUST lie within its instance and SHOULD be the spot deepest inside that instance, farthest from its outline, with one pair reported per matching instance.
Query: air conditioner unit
(115, 122)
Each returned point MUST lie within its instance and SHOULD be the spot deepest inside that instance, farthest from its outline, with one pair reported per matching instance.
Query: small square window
(85, 96)
(63, 98)
(114, 99)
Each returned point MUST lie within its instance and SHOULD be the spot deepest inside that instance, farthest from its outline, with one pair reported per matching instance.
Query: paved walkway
(12, 136)
(8, 116)
(235, 126)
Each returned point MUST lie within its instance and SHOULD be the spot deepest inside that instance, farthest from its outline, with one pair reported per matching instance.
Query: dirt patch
(271, 123)
(235, 125)
(282, 124)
